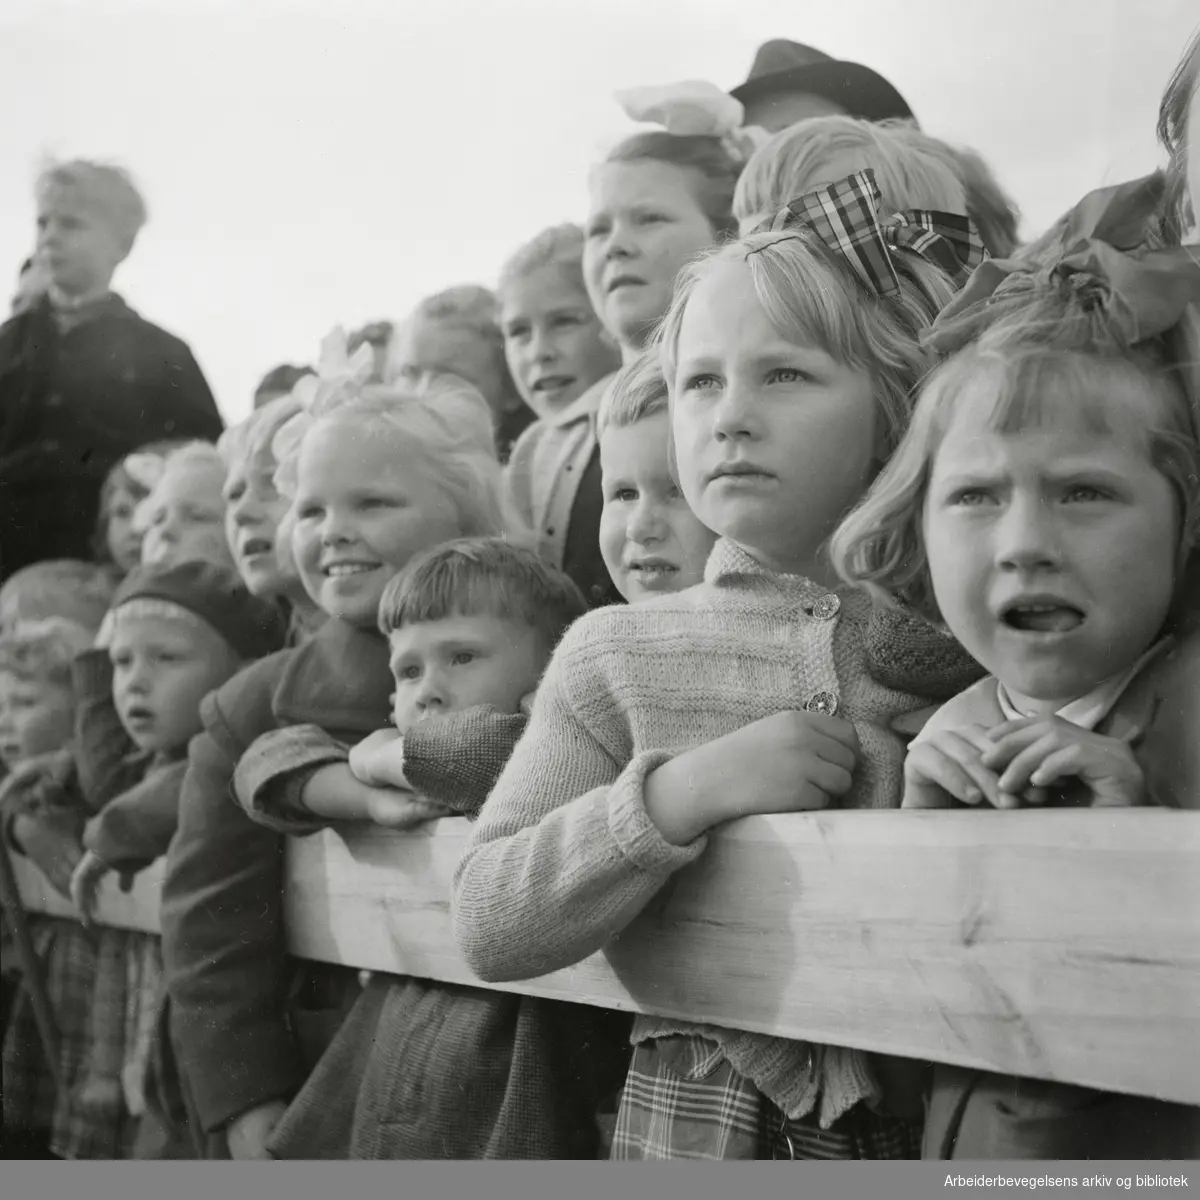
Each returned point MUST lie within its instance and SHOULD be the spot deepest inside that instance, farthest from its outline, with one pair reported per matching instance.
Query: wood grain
(1062, 945)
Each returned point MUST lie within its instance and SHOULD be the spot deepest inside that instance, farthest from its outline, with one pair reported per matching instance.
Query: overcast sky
(313, 163)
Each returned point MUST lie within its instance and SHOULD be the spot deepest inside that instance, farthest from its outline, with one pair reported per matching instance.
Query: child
(455, 333)
(278, 383)
(562, 360)
(177, 632)
(183, 516)
(374, 475)
(44, 1102)
(1044, 506)
(651, 540)
(421, 1069)
(254, 510)
(651, 718)
(118, 537)
(79, 592)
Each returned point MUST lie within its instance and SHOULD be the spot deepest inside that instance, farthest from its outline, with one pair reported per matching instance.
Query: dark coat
(72, 405)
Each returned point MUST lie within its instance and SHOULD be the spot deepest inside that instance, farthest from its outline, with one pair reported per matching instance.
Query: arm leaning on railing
(1060, 944)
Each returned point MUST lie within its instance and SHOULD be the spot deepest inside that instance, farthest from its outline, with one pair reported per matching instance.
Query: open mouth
(1042, 617)
(253, 547)
(625, 281)
(553, 383)
(138, 715)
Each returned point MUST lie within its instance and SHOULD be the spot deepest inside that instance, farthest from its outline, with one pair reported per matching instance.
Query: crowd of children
(789, 480)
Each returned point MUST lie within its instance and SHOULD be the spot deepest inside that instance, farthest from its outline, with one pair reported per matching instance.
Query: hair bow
(145, 469)
(1104, 257)
(695, 108)
(845, 216)
(340, 376)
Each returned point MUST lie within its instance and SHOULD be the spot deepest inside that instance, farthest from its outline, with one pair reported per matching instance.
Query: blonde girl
(373, 474)
(1044, 505)
(789, 377)
(562, 359)
(254, 509)
(182, 518)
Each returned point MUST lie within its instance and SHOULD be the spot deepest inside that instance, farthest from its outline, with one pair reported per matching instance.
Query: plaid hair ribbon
(845, 216)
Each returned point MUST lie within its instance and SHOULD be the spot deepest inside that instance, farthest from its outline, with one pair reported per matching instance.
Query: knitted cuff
(635, 834)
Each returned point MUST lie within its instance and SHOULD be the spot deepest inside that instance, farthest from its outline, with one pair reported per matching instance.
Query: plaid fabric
(144, 992)
(682, 1100)
(845, 216)
(79, 1127)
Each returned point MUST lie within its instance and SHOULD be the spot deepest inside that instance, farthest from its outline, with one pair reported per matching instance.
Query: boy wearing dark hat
(176, 634)
(791, 82)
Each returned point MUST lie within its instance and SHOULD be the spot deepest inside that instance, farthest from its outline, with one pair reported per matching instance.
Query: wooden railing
(1061, 944)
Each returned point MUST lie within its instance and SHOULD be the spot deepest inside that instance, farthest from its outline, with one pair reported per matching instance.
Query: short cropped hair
(59, 588)
(43, 650)
(558, 246)
(638, 391)
(108, 190)
(482, 577)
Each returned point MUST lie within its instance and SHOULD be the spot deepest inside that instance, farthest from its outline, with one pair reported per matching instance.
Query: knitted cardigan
(564, 855)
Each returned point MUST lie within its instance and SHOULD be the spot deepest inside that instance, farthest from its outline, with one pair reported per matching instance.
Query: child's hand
(247, 1135)
(53, 854)
(950, 766)
(85, 883)
(401, 809)
(787, 762)
(1035, 753)
(378, 760)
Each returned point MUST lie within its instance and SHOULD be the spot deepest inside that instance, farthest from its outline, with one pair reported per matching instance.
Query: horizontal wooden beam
(1060, 945)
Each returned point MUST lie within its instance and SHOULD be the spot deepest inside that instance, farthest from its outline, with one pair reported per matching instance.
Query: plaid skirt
(682, 1100)
(83, 1121)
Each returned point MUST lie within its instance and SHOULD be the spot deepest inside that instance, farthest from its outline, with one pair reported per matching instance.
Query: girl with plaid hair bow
(789, 358)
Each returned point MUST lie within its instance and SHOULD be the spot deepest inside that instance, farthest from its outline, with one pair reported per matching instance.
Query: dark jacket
(228, 973)
(430, 1070)
(71, 406)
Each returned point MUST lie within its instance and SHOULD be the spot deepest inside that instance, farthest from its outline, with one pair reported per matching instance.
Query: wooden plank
(1060, 945)
(137, 909)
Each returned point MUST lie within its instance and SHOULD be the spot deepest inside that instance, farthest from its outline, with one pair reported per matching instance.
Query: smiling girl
(374, 475)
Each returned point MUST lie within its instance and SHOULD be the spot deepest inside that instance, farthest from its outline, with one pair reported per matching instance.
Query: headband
(1102, 260)
(845, 217)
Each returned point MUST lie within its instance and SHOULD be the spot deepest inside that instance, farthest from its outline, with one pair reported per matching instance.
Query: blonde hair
(712, 167)
(43, 650)
(198, 452)
(813, 298)
(67, 588)
(911, 169)
(450, 423)
(558, 246)
(638, 391)
(249, 443)
(108, 190)
(1053, 357)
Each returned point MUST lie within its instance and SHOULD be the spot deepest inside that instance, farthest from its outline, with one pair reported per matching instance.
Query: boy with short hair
(174, 634)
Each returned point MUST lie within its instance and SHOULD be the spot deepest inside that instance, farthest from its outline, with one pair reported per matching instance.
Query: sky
(311, 164)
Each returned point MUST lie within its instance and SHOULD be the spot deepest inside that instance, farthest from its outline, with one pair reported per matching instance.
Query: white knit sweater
(564, 855)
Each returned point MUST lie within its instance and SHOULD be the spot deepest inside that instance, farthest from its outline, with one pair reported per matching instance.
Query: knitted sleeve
(457, 758)
(564, 855)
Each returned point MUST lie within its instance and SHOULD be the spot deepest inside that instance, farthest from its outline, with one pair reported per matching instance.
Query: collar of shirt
(1089, 710)
(584, 408)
